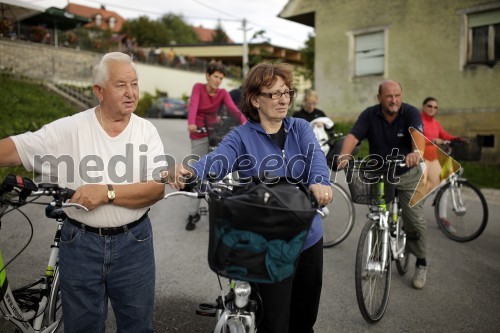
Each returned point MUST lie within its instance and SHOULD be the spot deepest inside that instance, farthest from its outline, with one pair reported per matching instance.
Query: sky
(260, 15)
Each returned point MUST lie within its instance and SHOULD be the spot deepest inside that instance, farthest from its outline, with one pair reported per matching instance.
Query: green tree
(147, 33)
(220, 36)
(181, 32)
(308, 57)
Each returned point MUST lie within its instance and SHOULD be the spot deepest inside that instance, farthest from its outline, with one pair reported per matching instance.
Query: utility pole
(245, 47)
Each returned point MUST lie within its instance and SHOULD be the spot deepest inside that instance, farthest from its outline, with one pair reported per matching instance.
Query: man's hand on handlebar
(90, 196)
(413, 159)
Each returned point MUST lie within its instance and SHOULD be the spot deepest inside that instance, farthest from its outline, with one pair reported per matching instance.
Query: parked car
(167, 107)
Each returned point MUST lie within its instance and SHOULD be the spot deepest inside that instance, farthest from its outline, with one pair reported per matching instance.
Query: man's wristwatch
(111, 193)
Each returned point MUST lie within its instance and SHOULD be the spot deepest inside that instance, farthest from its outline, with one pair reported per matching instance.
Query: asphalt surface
(462, 292)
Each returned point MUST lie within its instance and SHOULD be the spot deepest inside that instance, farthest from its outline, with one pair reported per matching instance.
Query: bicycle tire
(235, 326)
(467, 224)
(338, 224)
(372, 288)
(54, 307)
(402, 263)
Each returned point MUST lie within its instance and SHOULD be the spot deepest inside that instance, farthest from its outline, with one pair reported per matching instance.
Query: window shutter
(484, 18)
(370, 52)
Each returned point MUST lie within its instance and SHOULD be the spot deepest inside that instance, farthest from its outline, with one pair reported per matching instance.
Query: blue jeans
(96, 268)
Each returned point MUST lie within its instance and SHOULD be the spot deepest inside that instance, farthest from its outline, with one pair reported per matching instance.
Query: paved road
(462, 294)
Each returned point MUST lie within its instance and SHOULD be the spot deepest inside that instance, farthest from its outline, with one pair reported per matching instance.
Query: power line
(235, 18)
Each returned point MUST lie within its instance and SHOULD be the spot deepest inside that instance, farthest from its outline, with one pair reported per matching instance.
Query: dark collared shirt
(382, 136)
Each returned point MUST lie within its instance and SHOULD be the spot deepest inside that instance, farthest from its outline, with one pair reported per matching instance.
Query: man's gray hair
(100, 72)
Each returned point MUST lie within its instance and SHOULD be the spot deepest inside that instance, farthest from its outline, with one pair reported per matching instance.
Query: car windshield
(173, 101)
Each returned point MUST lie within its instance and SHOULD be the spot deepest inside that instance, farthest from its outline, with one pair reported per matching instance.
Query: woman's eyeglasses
(432, 106)
(277, 94)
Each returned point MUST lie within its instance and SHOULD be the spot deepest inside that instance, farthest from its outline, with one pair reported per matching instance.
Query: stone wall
(46, 62)
(70, 66)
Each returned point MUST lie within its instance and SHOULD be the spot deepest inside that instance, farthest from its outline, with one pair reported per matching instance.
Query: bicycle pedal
(206, 310)
(203, 211)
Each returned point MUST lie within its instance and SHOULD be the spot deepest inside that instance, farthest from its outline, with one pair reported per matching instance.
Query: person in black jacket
(308, 110)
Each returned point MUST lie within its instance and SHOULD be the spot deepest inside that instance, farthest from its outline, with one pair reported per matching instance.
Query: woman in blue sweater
(272, 143)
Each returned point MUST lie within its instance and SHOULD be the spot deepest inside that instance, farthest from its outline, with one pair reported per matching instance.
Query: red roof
(106, 16)
(207, 35)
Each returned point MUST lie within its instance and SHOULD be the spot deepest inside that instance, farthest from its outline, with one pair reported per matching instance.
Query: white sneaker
(419, 277)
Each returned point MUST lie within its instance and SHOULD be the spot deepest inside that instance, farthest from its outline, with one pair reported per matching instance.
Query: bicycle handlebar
(22, 187)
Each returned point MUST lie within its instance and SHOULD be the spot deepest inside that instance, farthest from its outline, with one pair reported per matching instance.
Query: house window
(112, 23)
(483, 42)
(98, 20)
(369, 53)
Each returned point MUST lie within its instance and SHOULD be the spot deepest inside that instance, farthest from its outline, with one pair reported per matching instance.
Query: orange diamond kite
(438, 168)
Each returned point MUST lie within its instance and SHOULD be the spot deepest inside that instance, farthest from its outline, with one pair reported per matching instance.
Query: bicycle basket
(363, 185)
(257, 233)
(467, 151)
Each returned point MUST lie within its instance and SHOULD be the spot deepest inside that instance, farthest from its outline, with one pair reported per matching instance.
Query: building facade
(448, 49)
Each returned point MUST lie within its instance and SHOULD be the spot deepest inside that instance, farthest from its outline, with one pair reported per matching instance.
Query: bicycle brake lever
(75, 205)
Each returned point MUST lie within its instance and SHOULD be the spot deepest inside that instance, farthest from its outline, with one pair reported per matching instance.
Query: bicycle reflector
(242, 291)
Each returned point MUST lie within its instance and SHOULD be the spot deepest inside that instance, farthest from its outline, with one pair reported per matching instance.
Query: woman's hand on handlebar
(323, 193)
(192, 128)
(177, 176)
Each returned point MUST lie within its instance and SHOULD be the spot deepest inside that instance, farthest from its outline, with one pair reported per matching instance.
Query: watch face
(111, 195)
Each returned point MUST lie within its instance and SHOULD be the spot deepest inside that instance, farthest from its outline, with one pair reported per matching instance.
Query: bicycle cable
(31, 231)
(27, 243)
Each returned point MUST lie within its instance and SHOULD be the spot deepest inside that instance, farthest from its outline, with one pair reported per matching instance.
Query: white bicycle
(35, 307)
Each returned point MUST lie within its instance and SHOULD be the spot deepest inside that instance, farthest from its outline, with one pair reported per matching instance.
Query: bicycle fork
(398, 237)
(377, 255)
(456, 197)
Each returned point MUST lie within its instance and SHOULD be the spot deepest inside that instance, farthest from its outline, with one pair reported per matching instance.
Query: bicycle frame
(456, 196)
(12, 311)
(236, 304)
(34, 307)
(386, 220)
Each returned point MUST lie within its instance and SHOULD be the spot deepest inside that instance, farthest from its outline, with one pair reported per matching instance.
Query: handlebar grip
(69, 193)
(189, 183)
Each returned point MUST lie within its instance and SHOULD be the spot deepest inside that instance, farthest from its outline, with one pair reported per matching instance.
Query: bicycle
(338, 225)
(240, 309)
(35, 307)
(465, 216)
(234, 311)
(382, 239)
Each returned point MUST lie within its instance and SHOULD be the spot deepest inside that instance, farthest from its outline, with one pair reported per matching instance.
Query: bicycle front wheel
(461, 211)
(53, 316)
(372, 272)
(340, 217)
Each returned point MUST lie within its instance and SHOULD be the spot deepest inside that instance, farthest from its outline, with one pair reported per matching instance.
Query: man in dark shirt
(387, 127)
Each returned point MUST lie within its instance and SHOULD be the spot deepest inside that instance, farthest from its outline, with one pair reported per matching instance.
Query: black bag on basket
(257, 233)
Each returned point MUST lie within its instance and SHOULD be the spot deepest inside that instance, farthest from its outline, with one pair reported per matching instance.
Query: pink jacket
(203, 108)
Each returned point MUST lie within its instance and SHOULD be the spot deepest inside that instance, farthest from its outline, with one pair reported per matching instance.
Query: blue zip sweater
(249, 150)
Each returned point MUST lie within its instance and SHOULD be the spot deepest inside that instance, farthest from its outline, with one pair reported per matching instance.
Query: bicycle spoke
(372, 274)
(461, 211)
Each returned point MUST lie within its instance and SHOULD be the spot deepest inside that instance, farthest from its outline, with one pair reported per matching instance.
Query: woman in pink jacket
(436, 135)
(205, 102)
